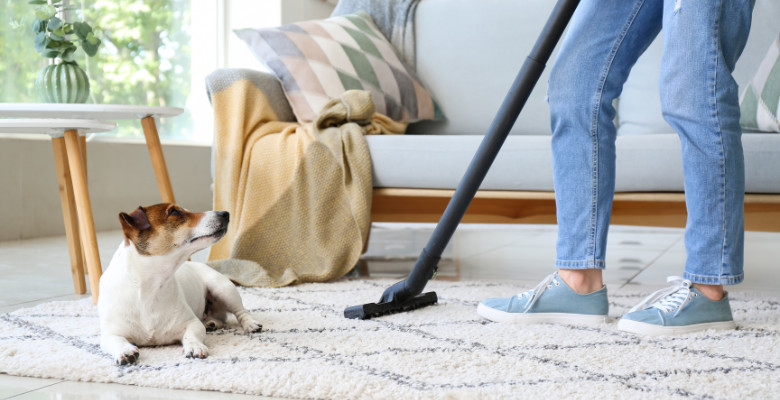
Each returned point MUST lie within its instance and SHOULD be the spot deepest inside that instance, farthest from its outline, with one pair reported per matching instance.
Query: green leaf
(82, 29)
(92, 39)
(52, 45)
(46, 45)
(45, 12)
(52, 54)
(41, 14)
(55, 37)
(55, 23)
(38, 26)
(37, 2)
(40, 38)
(67, 55)
(89, 48)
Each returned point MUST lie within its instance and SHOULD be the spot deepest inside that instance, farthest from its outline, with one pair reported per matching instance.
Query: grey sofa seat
(645, 163)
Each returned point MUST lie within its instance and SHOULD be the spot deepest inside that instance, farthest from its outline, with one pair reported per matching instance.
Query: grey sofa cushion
(645, 163)
(439, 161)
(468, 54)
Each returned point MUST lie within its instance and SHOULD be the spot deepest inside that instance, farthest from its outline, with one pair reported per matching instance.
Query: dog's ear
(135, 221)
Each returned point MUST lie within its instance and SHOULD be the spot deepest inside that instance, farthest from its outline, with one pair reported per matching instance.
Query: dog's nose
(223, 216)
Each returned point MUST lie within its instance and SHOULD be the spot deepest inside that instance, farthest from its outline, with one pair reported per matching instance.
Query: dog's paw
(249, 323)
(196, 350)
(213, 324)
(128, 355)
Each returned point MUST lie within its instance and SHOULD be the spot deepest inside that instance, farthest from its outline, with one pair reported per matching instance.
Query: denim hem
(585, 264)
(714, 280)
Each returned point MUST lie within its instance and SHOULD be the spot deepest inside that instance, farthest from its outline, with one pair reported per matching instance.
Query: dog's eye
(173, 212)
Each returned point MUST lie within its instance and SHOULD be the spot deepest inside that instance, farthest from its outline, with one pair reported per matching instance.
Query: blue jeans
(702, 41)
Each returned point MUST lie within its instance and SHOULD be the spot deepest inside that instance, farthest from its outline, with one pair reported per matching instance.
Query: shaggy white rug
(309, 350)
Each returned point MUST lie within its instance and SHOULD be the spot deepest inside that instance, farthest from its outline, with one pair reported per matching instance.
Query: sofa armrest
(222, 78)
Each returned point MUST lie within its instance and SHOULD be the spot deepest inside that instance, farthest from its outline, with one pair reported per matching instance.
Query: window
(145, 57)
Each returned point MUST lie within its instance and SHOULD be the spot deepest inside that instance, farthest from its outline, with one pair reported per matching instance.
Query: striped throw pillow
(760, 103)
(321, 59)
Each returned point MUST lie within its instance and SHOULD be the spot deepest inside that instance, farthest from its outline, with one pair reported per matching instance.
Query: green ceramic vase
(62, 83)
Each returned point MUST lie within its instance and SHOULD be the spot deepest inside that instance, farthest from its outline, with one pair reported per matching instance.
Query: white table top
(54, 127)
(84, 111)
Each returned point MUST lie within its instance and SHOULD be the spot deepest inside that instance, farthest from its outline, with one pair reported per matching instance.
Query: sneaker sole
(540, 318)
(643, 328)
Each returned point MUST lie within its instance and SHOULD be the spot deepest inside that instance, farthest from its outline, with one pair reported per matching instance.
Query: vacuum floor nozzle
(371, 310)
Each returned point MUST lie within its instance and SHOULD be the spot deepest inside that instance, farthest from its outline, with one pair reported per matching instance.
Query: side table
(74, 193)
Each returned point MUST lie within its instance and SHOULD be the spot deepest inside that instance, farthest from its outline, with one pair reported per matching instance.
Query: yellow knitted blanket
(299, 196)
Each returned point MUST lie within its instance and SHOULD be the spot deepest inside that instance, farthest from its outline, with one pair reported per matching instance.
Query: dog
(152, 295)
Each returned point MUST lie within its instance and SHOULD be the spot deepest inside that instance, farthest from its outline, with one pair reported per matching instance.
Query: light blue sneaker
(676, 310)
(552, 301)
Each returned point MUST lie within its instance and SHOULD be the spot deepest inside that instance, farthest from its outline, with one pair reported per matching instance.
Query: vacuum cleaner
(405, 295)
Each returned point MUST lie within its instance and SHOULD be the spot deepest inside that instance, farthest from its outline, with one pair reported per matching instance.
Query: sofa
(468, 53)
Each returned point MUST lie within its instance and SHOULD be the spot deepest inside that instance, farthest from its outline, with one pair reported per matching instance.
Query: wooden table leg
(83, 147)
(84, 211)
(158, 161)
(69, 215)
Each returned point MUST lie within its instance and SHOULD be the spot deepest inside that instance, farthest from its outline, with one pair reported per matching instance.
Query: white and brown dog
(151, 295)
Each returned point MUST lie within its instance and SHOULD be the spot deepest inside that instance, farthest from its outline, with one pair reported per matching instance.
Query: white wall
(303, 10)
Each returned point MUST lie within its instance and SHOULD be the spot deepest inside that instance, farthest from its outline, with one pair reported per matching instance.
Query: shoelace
(668, 299)
(534, 293)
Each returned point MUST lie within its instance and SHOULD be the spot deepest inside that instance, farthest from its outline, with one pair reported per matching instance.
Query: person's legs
(593, 64)
(604, 40)
(699, 98)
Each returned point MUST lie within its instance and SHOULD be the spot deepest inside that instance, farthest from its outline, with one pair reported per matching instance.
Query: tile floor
(36, 270)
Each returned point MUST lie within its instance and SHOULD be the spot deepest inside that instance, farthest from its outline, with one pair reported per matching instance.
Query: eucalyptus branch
(55, 38)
